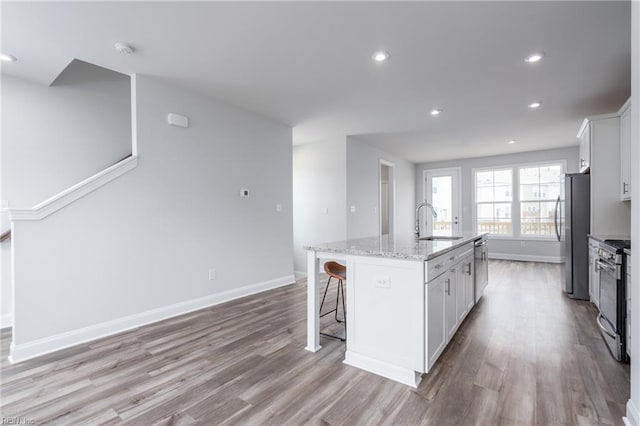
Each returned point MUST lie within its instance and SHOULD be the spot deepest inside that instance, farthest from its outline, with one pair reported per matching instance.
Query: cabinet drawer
(441, 264)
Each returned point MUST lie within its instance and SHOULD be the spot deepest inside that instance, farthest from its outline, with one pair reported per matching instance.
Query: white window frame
(475, 201)
(515, 199)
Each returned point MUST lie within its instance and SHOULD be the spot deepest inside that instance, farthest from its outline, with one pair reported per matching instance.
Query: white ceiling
(308, 64)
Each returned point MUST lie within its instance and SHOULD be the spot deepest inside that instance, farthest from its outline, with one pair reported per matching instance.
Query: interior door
(442, 190)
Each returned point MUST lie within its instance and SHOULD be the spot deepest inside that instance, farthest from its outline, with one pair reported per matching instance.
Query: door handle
(555, 217)
(603, 328)
(604, 266)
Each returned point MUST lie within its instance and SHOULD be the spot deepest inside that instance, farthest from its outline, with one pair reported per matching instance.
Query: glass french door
(442, 190)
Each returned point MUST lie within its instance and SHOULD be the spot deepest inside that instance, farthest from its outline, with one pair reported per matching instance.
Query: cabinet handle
(448, 290)
(469, 271)
(625, 187)
(438, 266)
(452, 258)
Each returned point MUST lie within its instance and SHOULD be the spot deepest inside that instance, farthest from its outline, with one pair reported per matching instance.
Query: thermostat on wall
(244, 193)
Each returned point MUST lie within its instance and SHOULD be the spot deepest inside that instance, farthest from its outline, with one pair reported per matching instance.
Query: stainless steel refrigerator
(572, 221)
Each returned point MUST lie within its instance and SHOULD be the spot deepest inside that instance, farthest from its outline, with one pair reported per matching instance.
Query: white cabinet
(594, 272)
(625, 152)
(450, 297)
(451, 319)
(628, 290)
(435, 302)
(584, 135)
(609, 216)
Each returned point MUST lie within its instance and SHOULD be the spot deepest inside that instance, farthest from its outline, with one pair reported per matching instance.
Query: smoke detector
(124, 48)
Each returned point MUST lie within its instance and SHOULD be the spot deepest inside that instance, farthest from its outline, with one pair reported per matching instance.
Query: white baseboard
(633, 415)
(381, 368)
(6, 320)
(300, 274)
(526, 257)
(25, 351)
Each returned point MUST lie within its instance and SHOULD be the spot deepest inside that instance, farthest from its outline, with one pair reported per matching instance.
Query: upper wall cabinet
(600, 156)
(625, 151)
(584, 135)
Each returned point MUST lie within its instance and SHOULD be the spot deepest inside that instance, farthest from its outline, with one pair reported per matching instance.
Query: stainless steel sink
(438, 237)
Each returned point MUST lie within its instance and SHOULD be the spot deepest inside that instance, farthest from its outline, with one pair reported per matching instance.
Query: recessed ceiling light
(435, 112)
(7, 58)
(512, 141)
(533, 58)
(124, 47)
(380, 56)
(535, 105)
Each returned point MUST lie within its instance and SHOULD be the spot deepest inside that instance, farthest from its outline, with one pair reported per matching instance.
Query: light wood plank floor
(525, 355)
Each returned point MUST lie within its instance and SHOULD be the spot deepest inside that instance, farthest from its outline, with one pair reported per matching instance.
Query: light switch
(382, 281)
(278, 207)
(244, 193)
(326, 210)
(353, 209)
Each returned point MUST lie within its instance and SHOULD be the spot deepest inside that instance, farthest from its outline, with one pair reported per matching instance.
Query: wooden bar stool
(339, 272)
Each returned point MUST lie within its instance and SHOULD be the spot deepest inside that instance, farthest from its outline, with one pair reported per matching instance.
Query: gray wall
(363, 190)
(146, 240)
(319, 183)
(55, 137)
(520, 247)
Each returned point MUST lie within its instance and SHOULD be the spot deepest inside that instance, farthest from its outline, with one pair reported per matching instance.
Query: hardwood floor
(525, 355)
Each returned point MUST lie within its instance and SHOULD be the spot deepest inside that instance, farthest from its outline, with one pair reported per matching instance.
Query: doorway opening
(442, 190)
(387, 197)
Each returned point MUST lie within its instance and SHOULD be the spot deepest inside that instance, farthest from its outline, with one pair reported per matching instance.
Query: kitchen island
(405, 300)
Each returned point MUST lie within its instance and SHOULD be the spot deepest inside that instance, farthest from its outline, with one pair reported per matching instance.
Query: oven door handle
(603, 328)
(605, 266)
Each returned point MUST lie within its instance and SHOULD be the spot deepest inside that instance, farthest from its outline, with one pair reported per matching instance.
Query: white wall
(141, 246)
(633, 406)
(54, 137)
(540, 250)
(363, 190)
(319, 183)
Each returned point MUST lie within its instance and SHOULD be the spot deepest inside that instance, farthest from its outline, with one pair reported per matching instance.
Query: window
(539, 189)
(494, 196)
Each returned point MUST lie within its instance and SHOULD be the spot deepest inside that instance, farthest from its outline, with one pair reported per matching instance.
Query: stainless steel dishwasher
(481, 254)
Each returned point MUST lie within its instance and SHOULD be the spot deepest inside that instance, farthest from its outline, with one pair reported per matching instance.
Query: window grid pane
(539, 189)
(494, 196)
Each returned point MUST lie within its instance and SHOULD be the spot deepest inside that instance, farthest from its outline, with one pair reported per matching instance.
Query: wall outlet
(278, 207)
(353, 209)
(382, 281)
(212, 274)
(244, 193)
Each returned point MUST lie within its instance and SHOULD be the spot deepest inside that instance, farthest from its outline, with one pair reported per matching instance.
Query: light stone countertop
(403, 246)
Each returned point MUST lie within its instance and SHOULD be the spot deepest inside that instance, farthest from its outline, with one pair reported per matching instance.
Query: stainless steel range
(613, 310)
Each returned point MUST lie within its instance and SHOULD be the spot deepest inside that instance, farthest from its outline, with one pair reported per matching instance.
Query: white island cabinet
(405, 300)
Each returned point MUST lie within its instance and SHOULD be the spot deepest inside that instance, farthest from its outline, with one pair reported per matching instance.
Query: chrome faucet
(425, 203)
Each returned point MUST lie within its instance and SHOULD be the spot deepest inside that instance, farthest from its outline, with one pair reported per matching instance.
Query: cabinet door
(585, 148)
(595, 297)
(469, 274)
(625, 155)
(461, 290)
(436, 339)
(450, 302)
(629, 302)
